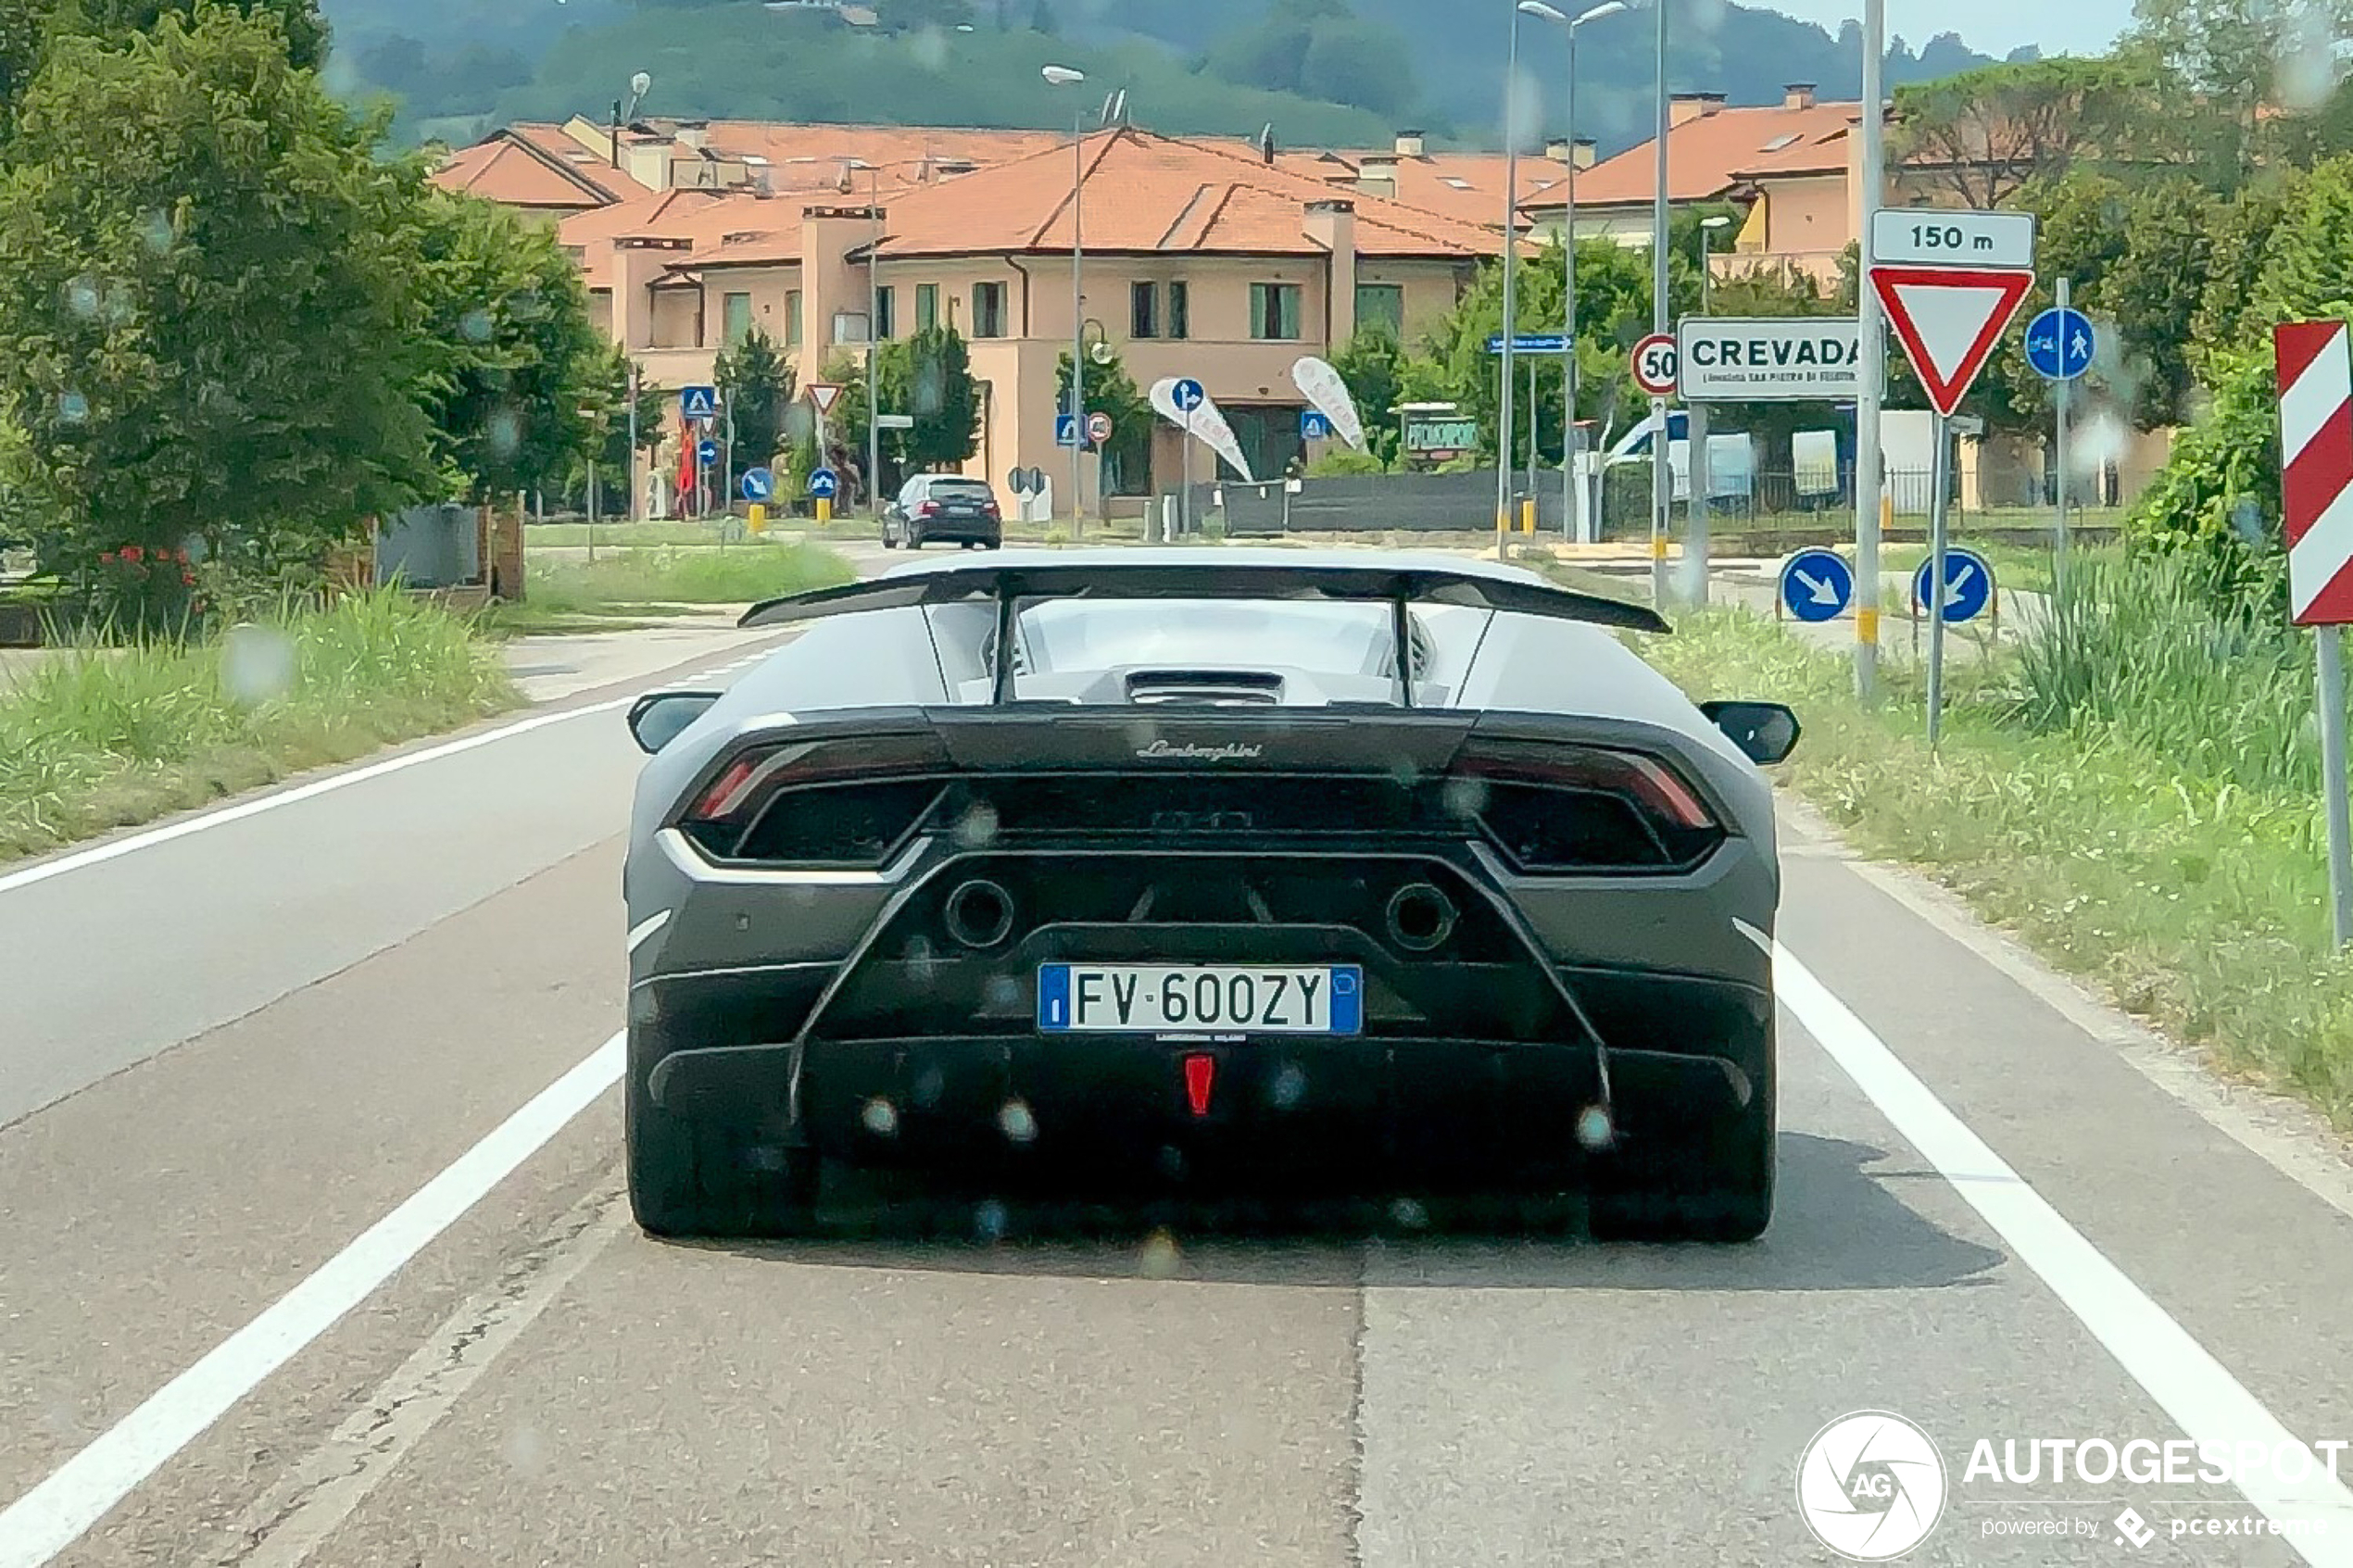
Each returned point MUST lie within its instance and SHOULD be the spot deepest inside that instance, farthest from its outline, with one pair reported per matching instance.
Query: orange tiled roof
(536, 166)
(1706, 154)
(886, 145)
(1152, 192)
(1468, 187)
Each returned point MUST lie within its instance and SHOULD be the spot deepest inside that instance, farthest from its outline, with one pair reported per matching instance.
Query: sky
(1991, 26)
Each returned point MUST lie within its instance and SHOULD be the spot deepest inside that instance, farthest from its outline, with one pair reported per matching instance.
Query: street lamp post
(1695, 561)
(1063, 76)
(1503, 432)
(1570, 438)
(1662, 448)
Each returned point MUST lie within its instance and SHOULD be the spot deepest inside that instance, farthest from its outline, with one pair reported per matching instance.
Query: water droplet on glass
(1172, 1162)
(506, 434)
(81, 296)
(1408, 1214)
(526, 1450)
(73, 408)
(1017, 1122)
(923, 961)
(1289, 1088)
(930, 1084)
(881, 1118)
(930, 49)
(156, 230)
(475, 326)
(976, 829)
(1466, 797)
(1594, 1130)
(988, 1220)
(257, 664)
(1160, 1257)
(1003, 991)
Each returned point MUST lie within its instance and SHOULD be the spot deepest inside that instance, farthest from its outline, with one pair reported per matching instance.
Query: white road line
(51, 1516)
(115, 849)
(2198, 1391)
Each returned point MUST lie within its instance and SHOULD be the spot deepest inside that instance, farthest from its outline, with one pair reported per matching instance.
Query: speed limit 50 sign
(1657, 364)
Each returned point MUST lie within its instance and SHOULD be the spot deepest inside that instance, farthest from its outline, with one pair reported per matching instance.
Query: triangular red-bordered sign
(823, 394)
(1948, 321)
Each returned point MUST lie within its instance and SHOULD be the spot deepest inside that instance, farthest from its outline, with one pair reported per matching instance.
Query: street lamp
(1063, 76)
(1570, 436)
(1511, 261)
(639, 85)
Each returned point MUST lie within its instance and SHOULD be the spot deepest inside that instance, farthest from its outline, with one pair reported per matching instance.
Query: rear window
(960, 490)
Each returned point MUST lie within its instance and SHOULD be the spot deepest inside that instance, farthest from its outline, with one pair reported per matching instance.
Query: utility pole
(1872, 352)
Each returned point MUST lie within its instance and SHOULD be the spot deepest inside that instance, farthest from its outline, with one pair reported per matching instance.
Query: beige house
(1199, 259)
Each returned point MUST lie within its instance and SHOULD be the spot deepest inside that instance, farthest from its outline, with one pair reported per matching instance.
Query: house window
(734, 319)
(885, 313)
(1143, 310)
(1274, 311)
(1180, 311)
(850, 326)
(1381, 305)
(989, 310)
(792, 317)
(927, 307)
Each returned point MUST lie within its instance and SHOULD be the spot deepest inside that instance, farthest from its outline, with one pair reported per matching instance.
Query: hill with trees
(1321, 71)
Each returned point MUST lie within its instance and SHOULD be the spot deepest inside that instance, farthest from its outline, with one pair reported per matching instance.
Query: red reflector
(1200, 1072)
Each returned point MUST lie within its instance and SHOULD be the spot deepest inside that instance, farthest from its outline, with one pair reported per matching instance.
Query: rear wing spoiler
(1208, 574)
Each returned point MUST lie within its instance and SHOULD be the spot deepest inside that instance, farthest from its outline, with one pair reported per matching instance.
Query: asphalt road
(311, 1252)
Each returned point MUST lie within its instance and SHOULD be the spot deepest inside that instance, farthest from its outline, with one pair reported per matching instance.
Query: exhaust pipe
(1420, 917)
(979, 914)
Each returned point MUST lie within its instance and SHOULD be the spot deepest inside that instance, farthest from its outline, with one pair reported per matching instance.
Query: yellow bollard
(757, 521)
(824, 510)
(1527, 516)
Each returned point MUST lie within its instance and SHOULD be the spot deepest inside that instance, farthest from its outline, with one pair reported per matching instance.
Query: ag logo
(1871, 1485)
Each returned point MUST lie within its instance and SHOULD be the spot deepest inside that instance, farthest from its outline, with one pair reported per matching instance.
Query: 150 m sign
(1780, 360)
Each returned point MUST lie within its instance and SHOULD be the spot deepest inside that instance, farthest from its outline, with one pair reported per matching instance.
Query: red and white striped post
(2316, 515)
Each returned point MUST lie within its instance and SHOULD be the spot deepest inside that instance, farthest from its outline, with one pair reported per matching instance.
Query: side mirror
(658, 718)
(1766, 731)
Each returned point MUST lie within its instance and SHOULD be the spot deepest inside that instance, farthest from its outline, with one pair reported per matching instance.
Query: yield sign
(823, 394)
(1948, 321)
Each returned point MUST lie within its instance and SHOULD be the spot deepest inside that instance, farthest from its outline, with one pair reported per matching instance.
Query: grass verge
(92, 739)
(639, 586)
(2160, 841)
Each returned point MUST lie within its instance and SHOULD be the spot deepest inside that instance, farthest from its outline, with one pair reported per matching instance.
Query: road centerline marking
(55, 1513)
(2168, 1363)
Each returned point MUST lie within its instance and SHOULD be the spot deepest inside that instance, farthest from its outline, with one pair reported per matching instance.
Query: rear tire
(697, 1177)
(1720, 1191)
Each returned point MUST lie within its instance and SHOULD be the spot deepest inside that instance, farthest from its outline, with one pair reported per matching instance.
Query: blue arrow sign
(1065, 431)
(758, 485)
(1188, 394)
(698, 402)
(1816, 584)
(1529, 343)
(2059, 344)
(706, 452)
(824, 483)
(1968, 585)
(1315, 426)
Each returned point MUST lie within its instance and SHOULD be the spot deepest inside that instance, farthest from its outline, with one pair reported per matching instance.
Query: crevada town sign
(1768, 358)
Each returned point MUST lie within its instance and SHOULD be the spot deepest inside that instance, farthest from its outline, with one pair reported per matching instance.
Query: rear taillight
(1581, 808)
(836, 801)
(929, 509)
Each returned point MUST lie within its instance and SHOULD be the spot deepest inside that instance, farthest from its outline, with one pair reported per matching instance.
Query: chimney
(1376, 175)
(1409, 143)
(1586, 152)
(1559, 149)
(1332, 224)
(1798, 95)
(695, 134)
(1684, 108)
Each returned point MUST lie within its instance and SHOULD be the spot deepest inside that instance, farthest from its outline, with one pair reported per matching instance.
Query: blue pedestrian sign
(706, 452)
(2059, 344)
(758, 485)
(1315, 426)
(698, 402)
(824, 483)
(1968, 585)
(1066, 429)
(1816, 584)
(1187, 395)
(1529, 343)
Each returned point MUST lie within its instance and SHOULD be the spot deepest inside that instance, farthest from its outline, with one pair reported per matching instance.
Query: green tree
(206, 298)
(515, 361)
(1373, 368)
(756, 386)
(928, 377)
(1986, 134)
(2233, 58)
(298, 22)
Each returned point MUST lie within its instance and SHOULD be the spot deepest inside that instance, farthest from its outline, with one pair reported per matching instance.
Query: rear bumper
(1299, 1109)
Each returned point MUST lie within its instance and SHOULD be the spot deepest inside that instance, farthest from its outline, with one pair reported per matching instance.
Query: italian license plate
(1191, 998)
